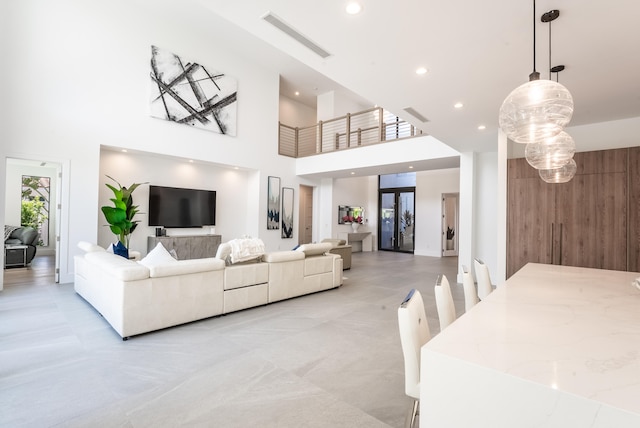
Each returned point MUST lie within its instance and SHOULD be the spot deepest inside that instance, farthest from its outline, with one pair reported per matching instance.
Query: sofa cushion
(119, 267)
(335, 242)
(314, 249)
(184, 267)
(159, 256)
(283, 256)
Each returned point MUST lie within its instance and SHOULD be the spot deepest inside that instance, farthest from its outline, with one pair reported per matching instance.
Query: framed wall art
(287, 212)
(187, 92)
(273, 203)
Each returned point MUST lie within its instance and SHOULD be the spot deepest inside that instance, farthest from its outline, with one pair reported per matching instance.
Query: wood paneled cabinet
(587, 222)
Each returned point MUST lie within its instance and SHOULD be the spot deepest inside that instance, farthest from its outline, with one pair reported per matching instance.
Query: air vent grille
(291, 32)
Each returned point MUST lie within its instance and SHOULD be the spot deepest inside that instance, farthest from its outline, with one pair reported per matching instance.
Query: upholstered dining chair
(469, 288)
(414, 332)
(484, 280)
(444, 302)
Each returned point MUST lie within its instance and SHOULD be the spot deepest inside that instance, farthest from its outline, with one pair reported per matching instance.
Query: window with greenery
(35, 205)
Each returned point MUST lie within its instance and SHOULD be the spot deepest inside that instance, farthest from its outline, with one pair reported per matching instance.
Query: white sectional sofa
(158, 291)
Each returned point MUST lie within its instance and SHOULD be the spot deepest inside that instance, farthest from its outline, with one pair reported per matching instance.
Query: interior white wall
(231, 185)
(294, 113)
(430, 185)
(334, 104)
(95, 94)
(486, 211)
(15, 171)
(353, 192)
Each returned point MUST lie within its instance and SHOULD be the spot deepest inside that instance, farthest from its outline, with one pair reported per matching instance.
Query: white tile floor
(331, 359)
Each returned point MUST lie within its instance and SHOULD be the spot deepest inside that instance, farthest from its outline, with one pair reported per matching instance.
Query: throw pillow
(157, 257)
(121, 250)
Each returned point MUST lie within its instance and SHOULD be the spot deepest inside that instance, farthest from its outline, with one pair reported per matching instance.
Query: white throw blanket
(246, 249)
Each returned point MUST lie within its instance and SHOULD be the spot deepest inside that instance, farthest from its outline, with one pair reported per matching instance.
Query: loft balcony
(365, 128)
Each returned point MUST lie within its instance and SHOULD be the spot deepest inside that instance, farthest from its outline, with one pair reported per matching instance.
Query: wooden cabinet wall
(591, 221)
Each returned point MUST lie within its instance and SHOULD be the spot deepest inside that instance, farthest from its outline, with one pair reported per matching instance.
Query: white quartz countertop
(570, 329)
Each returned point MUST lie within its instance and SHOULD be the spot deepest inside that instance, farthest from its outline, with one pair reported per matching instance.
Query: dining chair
(444, 302)
(414, 332)
(469, 288)
(484, 280)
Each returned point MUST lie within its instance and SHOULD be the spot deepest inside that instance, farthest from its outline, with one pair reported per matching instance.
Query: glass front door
(397, 220)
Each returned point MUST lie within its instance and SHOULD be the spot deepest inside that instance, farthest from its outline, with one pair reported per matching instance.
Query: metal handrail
(372, 126)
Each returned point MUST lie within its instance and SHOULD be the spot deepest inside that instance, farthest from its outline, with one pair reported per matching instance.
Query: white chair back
(484, 280)
(414, 332)
(444, 302)
(469, 288)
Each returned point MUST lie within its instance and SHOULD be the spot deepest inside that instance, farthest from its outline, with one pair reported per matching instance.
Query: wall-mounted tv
(177, 207)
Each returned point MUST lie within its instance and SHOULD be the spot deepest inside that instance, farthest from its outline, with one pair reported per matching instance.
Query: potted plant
(120, 216)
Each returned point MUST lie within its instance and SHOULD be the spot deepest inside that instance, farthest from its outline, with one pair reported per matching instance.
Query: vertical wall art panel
(287, 212)
(273, 204)
(186, 92)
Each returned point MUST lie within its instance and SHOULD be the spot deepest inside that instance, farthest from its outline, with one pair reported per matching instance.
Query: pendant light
(559, 175)
(552, 152)
(537, 109)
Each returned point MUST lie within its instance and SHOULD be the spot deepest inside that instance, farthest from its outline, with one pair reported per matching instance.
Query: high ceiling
(475, 53)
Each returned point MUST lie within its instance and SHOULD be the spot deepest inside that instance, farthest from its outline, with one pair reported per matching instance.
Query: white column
(501, 247)
(467, 211)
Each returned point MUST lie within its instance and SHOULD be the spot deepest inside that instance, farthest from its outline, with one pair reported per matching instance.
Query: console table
(188, 247)
(15, 255)
(554, 346)
(360, 241)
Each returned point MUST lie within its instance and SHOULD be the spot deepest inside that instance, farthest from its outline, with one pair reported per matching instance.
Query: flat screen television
(176, 207)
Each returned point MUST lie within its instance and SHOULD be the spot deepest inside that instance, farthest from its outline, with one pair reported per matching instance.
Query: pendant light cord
(534, 36)
(534, 74)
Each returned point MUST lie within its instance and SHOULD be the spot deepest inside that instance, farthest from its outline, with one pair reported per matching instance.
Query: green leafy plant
(120, 216)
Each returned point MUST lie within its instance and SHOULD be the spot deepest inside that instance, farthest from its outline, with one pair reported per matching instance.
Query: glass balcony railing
(353, 130)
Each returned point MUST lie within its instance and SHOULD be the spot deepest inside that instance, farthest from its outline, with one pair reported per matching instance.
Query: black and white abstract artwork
(186, 92)
(273, 203)
(287, 212)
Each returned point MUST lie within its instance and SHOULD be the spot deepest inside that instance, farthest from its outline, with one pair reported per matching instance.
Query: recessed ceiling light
(124, 150)
(353, 8)
(190, 160)
(421, 70)
(353, 173)
(458, 105)
(410, 166)
(482, 127)
(297, 93)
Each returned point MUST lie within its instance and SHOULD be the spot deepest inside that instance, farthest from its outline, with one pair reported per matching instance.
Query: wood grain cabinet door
(530, 214)
(593, 221)
(580, 223)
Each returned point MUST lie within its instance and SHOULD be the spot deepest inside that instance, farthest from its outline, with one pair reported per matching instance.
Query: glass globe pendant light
(551, 153)
(538, 109)
(559, 175)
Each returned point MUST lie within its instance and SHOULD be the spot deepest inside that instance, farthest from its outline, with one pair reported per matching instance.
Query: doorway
(396, 223)
(305, 217)
(450, 224)
(24, 185)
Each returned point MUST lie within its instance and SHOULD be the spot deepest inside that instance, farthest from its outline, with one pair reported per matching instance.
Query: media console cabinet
(189, 246)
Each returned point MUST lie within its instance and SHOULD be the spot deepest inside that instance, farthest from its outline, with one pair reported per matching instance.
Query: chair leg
(410, 420)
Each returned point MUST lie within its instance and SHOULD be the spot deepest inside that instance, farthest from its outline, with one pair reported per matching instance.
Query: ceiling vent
(413, 112)
(287, 29)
